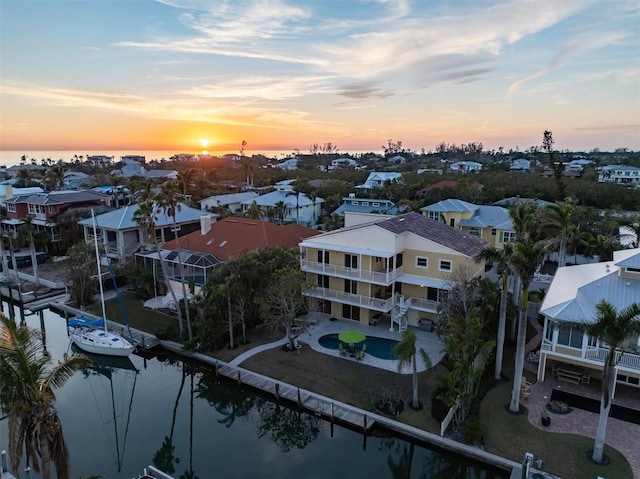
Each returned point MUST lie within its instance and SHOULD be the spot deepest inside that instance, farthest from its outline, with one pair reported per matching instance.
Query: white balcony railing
(623, 359)
(377, 304)
(377, 277)
(423, 305)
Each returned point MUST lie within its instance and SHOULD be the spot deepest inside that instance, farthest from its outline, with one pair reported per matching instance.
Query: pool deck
(429, 342)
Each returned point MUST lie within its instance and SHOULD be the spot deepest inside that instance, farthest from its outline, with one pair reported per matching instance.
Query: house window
(323, 281)
(365, 203)
(507, 237)
(422, 262)
(474, 231)
(351, 312)
(445, 265)
(433, 215)
(323, 257)
(32, 209)
(571, 337)
(11, 207)
(378, 259)
(452, 222)
(52, 209)
(493, 231)
(350, 286)
(433, 294)
(351, 261)
(375, 204)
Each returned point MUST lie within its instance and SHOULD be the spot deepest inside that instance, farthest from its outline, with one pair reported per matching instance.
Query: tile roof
(435, 231)
(234, 237)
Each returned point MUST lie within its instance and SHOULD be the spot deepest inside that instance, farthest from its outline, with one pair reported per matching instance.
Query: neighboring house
(45, 207)
(445, 184)
(233, 201)
(570, 305)
(577, 166)
(75, 180)
(620, 174)
(343, 163)
(521, 164)
(465, 167)
(431, 171)
(298, 207)
(13, 171)
(137, 158)
(491, 223)
(514, 200)
(122, 236)
(378, 179)
(288, 164)
(398, 160)
(549, 173)
(7, 192)
(160, 175)
(365, 205)
(99, 159)
(129, 169)
(397, 267)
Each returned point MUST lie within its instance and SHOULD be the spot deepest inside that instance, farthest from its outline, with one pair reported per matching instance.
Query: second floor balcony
(384, 278)
(377, 304)
(597, 356)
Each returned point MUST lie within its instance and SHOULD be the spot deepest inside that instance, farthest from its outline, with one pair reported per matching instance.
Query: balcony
(622, 359)
(424, 305)
(384, 278)
(377, 304)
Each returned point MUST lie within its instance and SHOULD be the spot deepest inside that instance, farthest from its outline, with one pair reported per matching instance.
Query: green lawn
(360, 385)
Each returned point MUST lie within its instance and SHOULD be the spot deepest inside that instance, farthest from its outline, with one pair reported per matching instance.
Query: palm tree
(168, 200)
(253, 211)
(279, 209)
(145, 217)
(491, 253)
(27, 397)
(556, 221)
(26, 236)
(612, 327)
(405, 351)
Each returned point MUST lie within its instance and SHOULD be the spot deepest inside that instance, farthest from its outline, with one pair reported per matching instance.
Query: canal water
(121, 416)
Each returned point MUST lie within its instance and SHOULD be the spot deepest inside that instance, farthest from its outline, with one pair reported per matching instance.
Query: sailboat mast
(95, 241)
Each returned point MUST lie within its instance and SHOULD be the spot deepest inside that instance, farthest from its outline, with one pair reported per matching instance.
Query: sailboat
(92, 335)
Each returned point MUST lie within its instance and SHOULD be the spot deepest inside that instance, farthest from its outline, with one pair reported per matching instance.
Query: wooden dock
(317, 404)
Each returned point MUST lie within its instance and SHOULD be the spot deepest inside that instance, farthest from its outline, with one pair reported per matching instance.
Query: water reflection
(184, 420)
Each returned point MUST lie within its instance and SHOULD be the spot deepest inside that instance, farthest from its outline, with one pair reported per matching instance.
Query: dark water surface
(125, 415)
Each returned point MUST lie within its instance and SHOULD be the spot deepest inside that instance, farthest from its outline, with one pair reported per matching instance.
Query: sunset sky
(282, 75)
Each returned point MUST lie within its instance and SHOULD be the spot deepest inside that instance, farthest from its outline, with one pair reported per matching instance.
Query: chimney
(205, 224)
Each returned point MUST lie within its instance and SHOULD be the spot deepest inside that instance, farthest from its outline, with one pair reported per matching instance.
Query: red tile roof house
(216, 243)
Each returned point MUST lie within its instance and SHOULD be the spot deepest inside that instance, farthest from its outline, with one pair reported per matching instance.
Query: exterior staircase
(398, 313)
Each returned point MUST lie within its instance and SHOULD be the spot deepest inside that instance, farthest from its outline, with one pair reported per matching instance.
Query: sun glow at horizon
(204, 142)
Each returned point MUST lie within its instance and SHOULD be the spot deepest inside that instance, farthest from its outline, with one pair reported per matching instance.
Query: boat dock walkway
(307, 400)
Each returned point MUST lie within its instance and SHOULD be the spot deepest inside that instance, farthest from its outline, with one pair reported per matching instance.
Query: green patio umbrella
(352, 337)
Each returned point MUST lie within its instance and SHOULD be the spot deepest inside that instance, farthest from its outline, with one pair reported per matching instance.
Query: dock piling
(277, 392)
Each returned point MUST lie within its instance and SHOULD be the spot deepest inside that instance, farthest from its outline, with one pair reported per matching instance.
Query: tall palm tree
(168, 201)
(145, 217)
(406, 353)
(27, 397)
(613, 327)
(26, 237)
(253, 211)
(556, 221)
(491, 253)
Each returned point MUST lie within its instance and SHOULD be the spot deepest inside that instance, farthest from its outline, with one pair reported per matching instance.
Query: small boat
(93, 336)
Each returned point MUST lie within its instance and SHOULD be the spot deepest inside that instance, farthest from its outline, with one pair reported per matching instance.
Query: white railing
(424, 305)
(383, 305)
(377, 277)
(40, 216)
(444, 425)
(546, 345)
(622, 359)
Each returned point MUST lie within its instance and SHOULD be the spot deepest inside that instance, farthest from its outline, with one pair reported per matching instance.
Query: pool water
(381, 348)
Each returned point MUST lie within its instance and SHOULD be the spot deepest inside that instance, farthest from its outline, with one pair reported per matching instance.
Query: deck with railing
(377, 277)
(597, 355)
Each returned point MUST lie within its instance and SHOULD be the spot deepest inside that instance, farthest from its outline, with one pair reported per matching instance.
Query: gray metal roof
(451, 205)
(489, 217)
(59, 197)
(576, 290)
(122, 218)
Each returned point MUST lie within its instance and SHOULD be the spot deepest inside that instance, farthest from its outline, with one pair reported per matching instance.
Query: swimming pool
(381, 348)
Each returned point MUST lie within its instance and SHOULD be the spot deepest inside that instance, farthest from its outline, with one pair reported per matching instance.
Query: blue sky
(282, 75)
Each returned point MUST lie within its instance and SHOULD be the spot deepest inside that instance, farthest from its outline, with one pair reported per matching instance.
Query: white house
(343, 163)
(569, 306)
(288, 164)
(377, 179)
(621, 174)
(298, 207)
(233, 202)
(465, 166)
(520, 164)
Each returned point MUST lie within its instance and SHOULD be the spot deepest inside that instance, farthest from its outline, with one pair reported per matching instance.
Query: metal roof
(123, 218)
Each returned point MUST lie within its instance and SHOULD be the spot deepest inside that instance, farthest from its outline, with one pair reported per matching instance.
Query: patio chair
(343, 352)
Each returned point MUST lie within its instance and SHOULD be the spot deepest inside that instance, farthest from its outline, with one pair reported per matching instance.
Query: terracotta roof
(435, 231)
(235, 237)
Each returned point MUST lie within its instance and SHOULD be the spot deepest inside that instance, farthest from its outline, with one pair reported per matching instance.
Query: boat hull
(99, 341)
